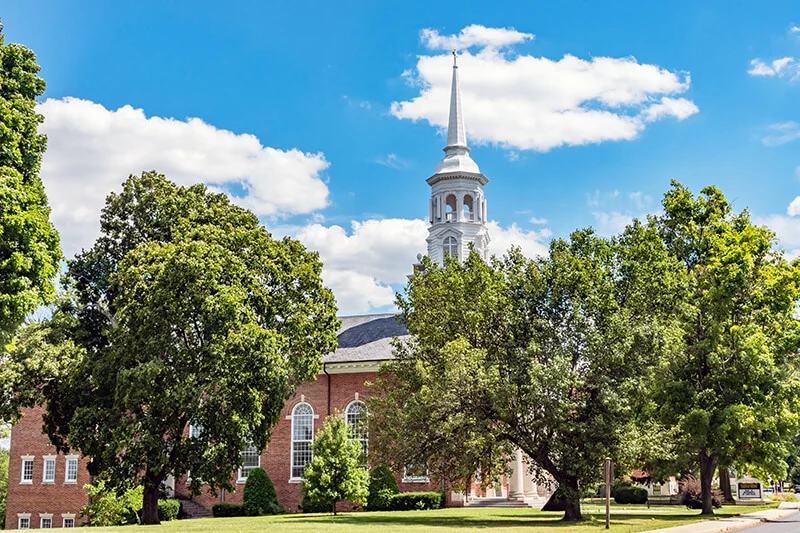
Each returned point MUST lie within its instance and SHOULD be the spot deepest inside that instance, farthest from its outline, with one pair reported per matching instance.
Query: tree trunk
(150, 505)
(334, 508)
(572, 499)
(725, 485)
(707, 467)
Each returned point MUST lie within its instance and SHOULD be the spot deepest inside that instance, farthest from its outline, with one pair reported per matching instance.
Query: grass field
(630, 519)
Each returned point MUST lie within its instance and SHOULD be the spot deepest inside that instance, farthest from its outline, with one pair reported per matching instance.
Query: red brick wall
(27, 439)
(56, 498)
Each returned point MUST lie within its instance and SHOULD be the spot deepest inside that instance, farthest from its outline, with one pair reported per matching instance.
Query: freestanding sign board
(750, 490)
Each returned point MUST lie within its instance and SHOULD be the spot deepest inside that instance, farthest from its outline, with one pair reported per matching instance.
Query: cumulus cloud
(778, 67)
(91, 150)
(794, 208)
(474, 35)
(526, 102)
(613, 211)
(365, 264)
(781, 133)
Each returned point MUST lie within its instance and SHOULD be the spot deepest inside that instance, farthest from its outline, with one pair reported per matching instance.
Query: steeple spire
(456, 153)
(456, 134)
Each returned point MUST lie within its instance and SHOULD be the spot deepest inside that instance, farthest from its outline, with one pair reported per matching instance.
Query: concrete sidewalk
(734, 523)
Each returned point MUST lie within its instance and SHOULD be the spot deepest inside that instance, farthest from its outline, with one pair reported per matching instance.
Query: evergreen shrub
(382, 486)
(310, 506)
(630, 495)
(168, 510)
(409, 501)
(259, 495)
(225, 510)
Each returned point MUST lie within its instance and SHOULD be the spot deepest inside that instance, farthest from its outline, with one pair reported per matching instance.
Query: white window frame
(22, 479)
(71, 459)
(415, 479)
(65, 517)
(364, 437)
(43, 517)
(240, 477)
(195, 428)
(450, 244)
(52, 460)
(292, 439)
(21, 517)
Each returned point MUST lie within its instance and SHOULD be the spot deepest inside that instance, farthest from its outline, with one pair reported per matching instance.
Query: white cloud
(365, 265)
(613, 211)
(91, 150)
(781, 133)
(473, 35)
(794, 208)
(538, 221)
(525, 102)
(787, 228)
(392, 161)
(795, 29)
(778, 67)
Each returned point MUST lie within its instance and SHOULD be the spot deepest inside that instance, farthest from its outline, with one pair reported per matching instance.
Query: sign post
(608, 474)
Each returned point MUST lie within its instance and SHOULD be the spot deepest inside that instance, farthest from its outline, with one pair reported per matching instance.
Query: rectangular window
(24, 522)
(68, 522)
(415, 473)
(46, 523)
(195, 431)
(250, 459)
(49, 470)
(27, 470)
(71, 475)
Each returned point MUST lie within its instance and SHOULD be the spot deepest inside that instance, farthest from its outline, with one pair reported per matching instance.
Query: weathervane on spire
(455, 56)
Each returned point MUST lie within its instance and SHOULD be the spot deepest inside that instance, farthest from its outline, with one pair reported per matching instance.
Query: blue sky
(323, 117)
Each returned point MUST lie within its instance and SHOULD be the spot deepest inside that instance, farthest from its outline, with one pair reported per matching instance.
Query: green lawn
(623, 520)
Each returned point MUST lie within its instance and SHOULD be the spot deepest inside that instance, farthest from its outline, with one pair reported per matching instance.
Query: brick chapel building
(45, 488)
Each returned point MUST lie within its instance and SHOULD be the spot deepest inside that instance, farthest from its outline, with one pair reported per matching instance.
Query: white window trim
(45, 459)
(68, 481)
(22, 480)
(314, 416)
(415, 479)
(240, 480)
(21, 517)
(43, 517)
(364, 413)
(65, 517)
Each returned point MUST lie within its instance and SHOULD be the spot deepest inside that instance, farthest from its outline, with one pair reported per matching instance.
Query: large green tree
(731, 391)
(549, 355)
(334, 473)
(186, 312)
(29, 249)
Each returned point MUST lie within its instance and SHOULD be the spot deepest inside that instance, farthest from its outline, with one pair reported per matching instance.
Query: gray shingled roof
(366, 338)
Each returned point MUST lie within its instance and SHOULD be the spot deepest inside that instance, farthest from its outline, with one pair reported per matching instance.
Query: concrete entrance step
(494, 501)
(193, 509)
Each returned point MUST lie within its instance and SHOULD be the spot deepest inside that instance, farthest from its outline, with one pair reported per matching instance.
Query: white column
(528, 484)
(517, 472)
(459, 206)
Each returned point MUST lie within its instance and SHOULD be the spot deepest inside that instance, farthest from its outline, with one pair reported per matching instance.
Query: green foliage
(310, 506)
(690, 494)
(382, 486)
(259, 495)
(29, 248)
(630, 494)
(192, 313)
(616, 485)
(106, 508)
(3, 484)
(729, 391)
(224, 510)
(419, 501)
(551, 355)
(168, 510)
(334, 473)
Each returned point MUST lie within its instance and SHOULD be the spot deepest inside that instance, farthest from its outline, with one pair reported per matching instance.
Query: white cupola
(457, 206)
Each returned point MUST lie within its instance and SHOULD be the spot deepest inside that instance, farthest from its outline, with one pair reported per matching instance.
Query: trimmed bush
(382, 486)
(630, 495)
(691, 495)
(310, 506)
(225, 510)
(409, 501)
(259, 494)
(168, 510)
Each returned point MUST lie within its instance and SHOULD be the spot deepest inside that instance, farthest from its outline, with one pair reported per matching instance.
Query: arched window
(356, 417)
(302, 435)
(450, 247)
(469, 208)
(450, 207)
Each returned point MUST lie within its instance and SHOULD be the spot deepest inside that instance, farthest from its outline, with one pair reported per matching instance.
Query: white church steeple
(457, 206)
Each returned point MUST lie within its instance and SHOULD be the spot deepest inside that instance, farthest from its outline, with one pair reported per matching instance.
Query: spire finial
(455, 57)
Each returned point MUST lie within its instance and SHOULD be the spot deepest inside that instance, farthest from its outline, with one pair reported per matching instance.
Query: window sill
(416, 480)
(71, 482)
(48, 482)
(296, 480)
(26, 482)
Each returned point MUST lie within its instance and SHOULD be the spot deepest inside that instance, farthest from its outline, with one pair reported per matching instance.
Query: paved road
(790, 524)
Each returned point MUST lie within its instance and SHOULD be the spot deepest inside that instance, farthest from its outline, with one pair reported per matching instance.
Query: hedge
(382, 486)
(259, 495)
(630, 495)
(168, 510)
(224, 510)
(409, 501)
